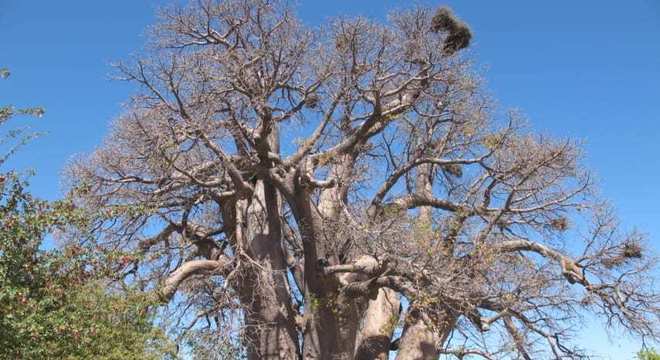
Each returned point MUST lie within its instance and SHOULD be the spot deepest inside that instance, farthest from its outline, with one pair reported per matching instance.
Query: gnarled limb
(188, 269)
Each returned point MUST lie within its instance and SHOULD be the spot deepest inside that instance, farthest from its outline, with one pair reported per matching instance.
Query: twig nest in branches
(629, 250)
(492, 141)
(458, 33)
(311, 101)
(453, 169)
(632, 250)
(342, 42)
(559, 224)
(457, 40)
(443, 20)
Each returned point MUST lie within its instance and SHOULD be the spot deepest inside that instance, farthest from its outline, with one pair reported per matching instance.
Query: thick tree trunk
(320, 327)
(265, 292)
(423, 337)
(323, 333)
(330, 318)
(377, 325)
(271, 332)
(340, 313)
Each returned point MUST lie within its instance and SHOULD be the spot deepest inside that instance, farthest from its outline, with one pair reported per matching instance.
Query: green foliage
(55, 304)
(648, 354)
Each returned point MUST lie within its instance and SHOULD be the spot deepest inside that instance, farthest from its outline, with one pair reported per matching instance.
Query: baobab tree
(346, 191)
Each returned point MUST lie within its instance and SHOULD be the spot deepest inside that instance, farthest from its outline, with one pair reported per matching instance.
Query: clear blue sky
(587, 69)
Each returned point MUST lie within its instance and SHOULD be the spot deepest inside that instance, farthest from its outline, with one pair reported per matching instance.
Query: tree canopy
(343, 191)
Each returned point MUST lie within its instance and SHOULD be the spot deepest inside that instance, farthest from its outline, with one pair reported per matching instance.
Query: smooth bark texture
(377, 327)
(423, 337)
(264, 290)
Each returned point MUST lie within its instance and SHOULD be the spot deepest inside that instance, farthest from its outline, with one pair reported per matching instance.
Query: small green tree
(648, 354)
(54, 304)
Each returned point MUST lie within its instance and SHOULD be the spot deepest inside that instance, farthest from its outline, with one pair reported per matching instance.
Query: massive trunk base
(270, 317)
(380, 319)
(423, 337)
